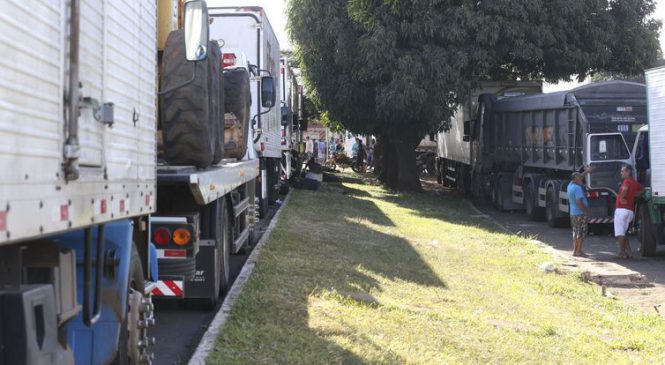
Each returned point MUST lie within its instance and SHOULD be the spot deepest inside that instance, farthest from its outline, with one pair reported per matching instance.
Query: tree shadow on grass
(320, 254)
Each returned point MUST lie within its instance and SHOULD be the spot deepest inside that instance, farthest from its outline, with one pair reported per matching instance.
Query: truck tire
(131, 331)
(225, 251)
(499, 196)
(216, 100)
(646, 233)
(533, 211)
(494, 196)
(188, 138)
(551, 209)
(237, 100)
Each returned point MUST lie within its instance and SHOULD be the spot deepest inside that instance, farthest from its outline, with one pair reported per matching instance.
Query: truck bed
(212, 183)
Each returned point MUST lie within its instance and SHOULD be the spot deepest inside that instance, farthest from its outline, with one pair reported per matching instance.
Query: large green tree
(393, 68)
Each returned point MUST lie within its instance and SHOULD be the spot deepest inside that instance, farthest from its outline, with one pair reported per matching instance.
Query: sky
(276, 11)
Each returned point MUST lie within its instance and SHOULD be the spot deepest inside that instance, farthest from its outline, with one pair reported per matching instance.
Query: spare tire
(187, 133)
(216, 101)
(237, 103)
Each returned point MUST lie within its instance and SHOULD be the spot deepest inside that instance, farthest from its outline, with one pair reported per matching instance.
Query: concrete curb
(207, 344)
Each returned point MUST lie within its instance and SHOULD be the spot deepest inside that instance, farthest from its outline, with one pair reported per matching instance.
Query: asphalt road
(179, 326)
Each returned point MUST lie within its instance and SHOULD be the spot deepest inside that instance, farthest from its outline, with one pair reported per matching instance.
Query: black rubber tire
(216, 100)
(225, 250)
(533, 211)
(646, 233)
(238, 100)
(551, 208)
(137, 282)
(496, 195)
(273, 180)
(493, 196)
(185, 112)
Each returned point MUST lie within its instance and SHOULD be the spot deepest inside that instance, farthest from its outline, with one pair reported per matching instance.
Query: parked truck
(248, 29)
(91, 222)
(452, 149)
(650, 166)
(521, 150)
(290, 107)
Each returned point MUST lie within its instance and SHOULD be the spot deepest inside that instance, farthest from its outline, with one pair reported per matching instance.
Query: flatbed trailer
(217, 206)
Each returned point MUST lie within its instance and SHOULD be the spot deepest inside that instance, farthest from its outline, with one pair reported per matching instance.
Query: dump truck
(451, 147)
(523, 149)
(94, 221)
(650, 166)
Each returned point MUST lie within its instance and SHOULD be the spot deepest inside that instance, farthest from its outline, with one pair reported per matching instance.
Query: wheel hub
(140, 317)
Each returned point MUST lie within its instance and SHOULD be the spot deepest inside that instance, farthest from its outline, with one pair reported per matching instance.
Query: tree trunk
(398, 166)
(390, 168)
(408, 176)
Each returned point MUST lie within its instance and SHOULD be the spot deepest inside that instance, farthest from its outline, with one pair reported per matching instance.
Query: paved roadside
(639, 281)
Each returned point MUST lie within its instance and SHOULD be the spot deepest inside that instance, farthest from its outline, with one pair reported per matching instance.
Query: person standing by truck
(578, 206)
(625, 209)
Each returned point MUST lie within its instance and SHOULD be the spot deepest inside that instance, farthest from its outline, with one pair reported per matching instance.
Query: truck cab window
(608, 147)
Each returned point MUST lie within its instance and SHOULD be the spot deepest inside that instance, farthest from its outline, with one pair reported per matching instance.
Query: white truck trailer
(650, 165)
(248, 29)
(87, 215)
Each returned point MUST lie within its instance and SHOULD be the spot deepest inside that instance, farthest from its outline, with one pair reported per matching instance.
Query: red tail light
(161, 236)
(228, 60)
(592, 194)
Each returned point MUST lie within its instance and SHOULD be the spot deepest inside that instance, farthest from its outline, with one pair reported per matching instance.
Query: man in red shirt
(625, 208)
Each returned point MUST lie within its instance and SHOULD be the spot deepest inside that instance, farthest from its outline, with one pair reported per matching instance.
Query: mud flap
(202, 285)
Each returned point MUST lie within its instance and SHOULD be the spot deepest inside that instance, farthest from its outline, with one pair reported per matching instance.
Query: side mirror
(285, 115)
(267, 91)
(196, 30)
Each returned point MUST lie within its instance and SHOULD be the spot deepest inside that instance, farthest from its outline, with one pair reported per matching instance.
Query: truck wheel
(646, 233)
(551, 208)
(185, 112)
(499, 196)
(225, 272)
(237, 100)
(133, 330)
(533, 211)
(216, 99)
(494, 196)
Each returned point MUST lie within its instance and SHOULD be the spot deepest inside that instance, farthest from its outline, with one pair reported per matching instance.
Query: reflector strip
(168, 288)
(601, 220)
